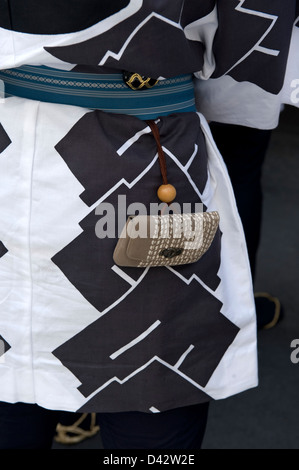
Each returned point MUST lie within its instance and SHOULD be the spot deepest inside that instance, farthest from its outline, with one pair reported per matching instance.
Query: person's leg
(244, 150)
(182, 428)
(25, 426)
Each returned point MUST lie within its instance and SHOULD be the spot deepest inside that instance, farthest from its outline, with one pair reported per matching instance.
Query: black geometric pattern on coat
(127, 297)
(156, 27)
(87, 261)
(55, 17)
(4, 346)
(99, 153)
(179, 392)
(208, 267)
(193, 10)
(260, 41)
(104, 134)
(87, 250)
(184, 307)
(3, 250)
(4, 139)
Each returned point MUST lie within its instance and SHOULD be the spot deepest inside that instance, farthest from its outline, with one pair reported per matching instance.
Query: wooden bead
(167, 193)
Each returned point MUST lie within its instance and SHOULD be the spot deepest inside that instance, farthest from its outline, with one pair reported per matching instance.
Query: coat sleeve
(256, 64)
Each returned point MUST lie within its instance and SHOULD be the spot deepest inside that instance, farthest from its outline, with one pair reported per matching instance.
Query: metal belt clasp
(138, 82)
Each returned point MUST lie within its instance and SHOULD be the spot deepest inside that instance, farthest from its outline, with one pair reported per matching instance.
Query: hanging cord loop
(166, 192)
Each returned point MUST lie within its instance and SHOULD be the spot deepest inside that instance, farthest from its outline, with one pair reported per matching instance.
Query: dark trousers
(244, 151)
(24, 426)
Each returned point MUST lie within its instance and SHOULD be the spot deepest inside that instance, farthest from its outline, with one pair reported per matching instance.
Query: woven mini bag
(169, 239)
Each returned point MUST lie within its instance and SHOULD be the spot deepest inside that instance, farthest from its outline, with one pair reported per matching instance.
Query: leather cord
(162, 160)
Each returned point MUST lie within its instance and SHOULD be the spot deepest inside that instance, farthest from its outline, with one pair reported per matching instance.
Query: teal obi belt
(108, 93)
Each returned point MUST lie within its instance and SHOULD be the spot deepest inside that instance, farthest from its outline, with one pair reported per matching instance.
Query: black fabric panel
(5, 14)
(3, 250)
(156, 34)
(4, 346)
(197, 9)
(208, 267)
(4, 139)
(88, 138)
(56, 16)
(173, 396)
(189, 316)
(254, 23)
(171, 59)
(185, 320)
